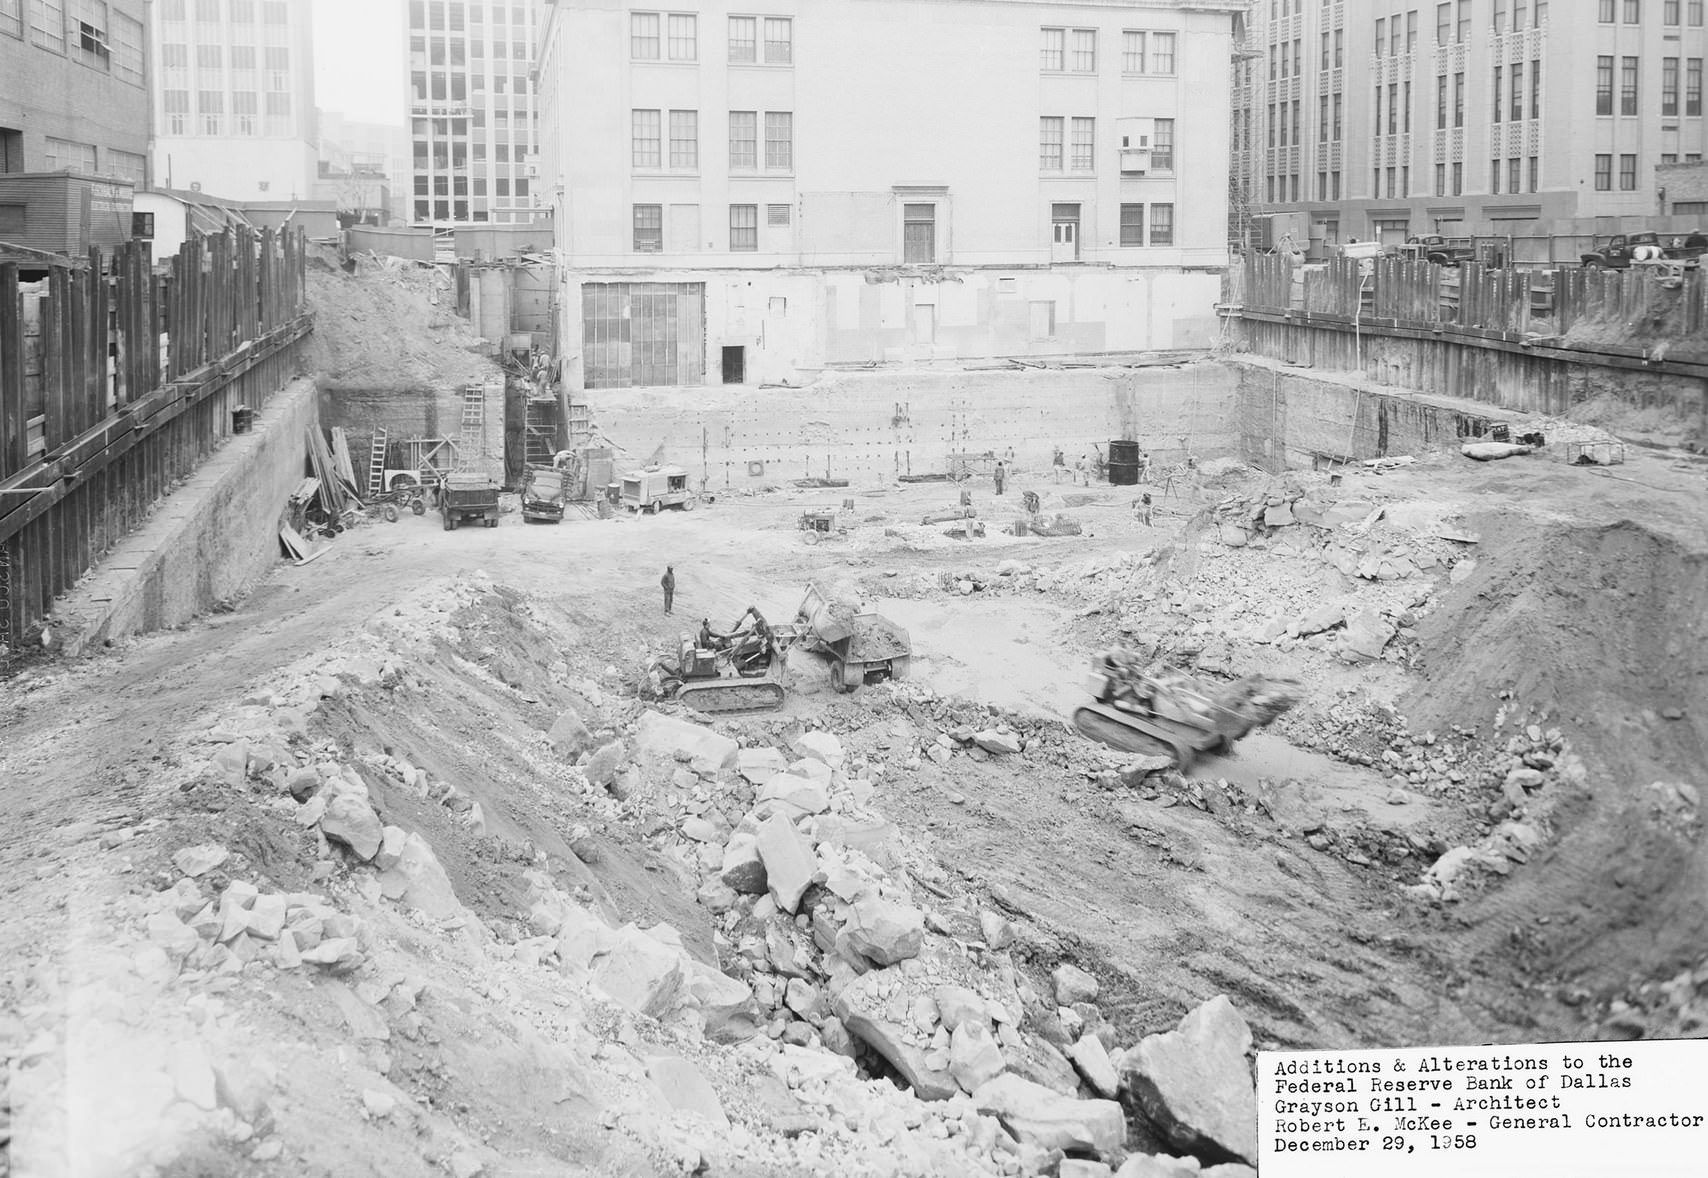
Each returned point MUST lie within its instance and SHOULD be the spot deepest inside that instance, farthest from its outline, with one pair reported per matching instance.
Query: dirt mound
(1599, 630)
(385, 328)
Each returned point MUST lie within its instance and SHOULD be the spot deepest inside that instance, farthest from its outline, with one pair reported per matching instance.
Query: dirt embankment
(386, 327)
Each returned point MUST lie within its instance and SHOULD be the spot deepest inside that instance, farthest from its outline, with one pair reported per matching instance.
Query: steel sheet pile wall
(115, 419)
(1531, 340)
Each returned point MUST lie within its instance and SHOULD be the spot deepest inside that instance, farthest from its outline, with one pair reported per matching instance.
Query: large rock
(974, 1057)
(1091, 1060)
(601, 768)
(199, 859)
(685, 1089)
(1195, 1084)
(743, 870)
(789, 861)
(885, 932)
(1042, 1118)
(1368, 634)
(801, 795)
(350, 820)
(760, 765)
(1073, 985)
(820, 746)
(957, 1005)
(862, 1013)
(992, 741)
(570, 736)
(419, 881)
(640, 973)
(727, 1005)
(664, 736)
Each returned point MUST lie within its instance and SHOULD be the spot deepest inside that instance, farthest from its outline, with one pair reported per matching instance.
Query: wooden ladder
(474, 425)
(376, 463)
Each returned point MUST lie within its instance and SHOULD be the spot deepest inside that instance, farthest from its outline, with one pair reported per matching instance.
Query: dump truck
(465, 496)
(860, 644)
(544, 489)
(657, 487)
(1158, 711)
(741, 671)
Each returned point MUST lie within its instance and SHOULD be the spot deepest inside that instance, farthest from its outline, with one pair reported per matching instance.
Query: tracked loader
(739, 672)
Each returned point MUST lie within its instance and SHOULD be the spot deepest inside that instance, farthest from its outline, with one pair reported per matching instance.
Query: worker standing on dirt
(668, 582)
(1000, 476)
(1144, 466)
(1079, 475)
(1142, 509)
(1058, 465)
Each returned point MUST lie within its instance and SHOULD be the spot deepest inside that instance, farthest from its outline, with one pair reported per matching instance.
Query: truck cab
(655, 488)
(1441, 250)
(1620, 250)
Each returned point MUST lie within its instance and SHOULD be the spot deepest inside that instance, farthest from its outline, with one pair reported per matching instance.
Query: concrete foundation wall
(413, 412)
(208, 541)
(874, 427)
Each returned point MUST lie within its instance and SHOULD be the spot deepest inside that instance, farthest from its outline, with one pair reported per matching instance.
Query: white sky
(358, 59)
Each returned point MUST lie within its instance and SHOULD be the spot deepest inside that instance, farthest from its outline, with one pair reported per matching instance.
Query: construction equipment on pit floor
(1157, 711)
(734, 673)
(822, 525)
(544, 491)
(657, 487)
(860, 644)
(464, 496)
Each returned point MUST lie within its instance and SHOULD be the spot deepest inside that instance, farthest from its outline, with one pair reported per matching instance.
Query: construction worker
(1144, 466)
(1142, 509)
(1079, 474)
(668, 582)
(1000, 476)
(1058, 465)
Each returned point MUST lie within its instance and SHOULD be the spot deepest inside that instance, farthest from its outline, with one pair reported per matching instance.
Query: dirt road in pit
(1183, 904)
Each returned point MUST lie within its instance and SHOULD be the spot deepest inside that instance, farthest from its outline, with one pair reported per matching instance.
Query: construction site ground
(1290, 877)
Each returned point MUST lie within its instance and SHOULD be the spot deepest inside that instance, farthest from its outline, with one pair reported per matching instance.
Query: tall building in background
(234, 97)
(747, 197)
(472, 116)
(364, 167)
(1385, 120)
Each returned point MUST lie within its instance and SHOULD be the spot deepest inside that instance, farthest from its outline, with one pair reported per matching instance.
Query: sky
(358, 59)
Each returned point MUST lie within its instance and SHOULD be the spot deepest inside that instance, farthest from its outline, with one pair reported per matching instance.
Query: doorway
(735, 364)
(1064, 233)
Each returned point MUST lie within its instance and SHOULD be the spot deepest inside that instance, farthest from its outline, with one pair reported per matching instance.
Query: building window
(1495, 114)
(1693, 12)
(685, 139)
(127, 49)
(1513, 173)
(1132, 225)
(779, 216)
(1133, 52)
(1322, 118)
(1459, 100)
(63, 154)
(1339, 47)
(1393, 107)
(684, 31)
(743, 140)
(1462, 30)
(1494, 177)
(1050, 143)
(743, 228)
(919, 233)
(643, 36)
(245, 111)
(1162, 145)
(1441, 103)
(47, 24)
(1162, 53)
(1381, 35)
(1411, 31)
(779, 140)
(1337, 117)
(645, 135)
(779, 40)
(1162, 224)
(177, 111)
(1084, 51)
(1604, 173)
(1536, 88)
(1633, 12)
(1334, 185)
(1533, 168)
(1517, 91)
(1052, 53)
(88, 33)
(1443, 23)
(210, 104)
(1604, 11)
(1669, 86)
(1458, 179)
(1669, 13)
(1693, 86)
(743, 39)
(1628, 86)
(1440, 179)
(1627, 173)
(1083, 158)
(1604, 85)
(649, 229)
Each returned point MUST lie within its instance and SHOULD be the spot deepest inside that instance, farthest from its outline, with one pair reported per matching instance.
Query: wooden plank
(12, 427)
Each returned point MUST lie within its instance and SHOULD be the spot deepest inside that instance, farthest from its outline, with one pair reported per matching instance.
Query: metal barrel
(1123, 453)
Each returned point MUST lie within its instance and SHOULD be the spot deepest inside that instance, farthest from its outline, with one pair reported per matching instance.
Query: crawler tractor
(726, 674)
(1160, 712)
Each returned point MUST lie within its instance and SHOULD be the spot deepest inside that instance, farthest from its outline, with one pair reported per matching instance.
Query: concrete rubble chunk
(885, 932)
(957, 1005)
(1042, 1118)
(639, 973)
(335, 954)
(804, 796)
(992, 741)
(788, 859)
(862, 1012)
(726, 1004)
(664, 736)
(569, 735)
(178, 939)
(1194, 1082)
(700, 830)
(760, 765)
(377, 1104)
(1073, 984)
(1323, 617)
(974, 1056)
(685, 1089)
(350, 820)
(601, 768)
(1091, 1059)
(302, 783)
(200, 859)
(1368, 634)
(231, 763)
(819, 745)
(266, 916)
(997, 931)
(743, 870)
(391, 847)
(418, 881)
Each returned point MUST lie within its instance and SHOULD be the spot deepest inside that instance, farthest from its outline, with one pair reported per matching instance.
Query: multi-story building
(234, 97)
(471, 106)
(747, 194)
(1388, 119)
(364, 167)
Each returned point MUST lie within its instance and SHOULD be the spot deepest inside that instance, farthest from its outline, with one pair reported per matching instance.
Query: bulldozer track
(724, 698)
(1122, 737)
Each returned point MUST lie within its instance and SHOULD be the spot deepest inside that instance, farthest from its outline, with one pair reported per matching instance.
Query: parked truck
(860, 644)
(544, 489)
(1619, 251)
(655, 488)
(465, 496)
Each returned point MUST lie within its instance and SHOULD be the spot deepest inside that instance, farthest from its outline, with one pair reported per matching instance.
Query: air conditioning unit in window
(1135, 136)
(1135, 161)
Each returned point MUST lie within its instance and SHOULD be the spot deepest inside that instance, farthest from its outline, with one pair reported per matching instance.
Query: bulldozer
(1158, 711)
(737, 672)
